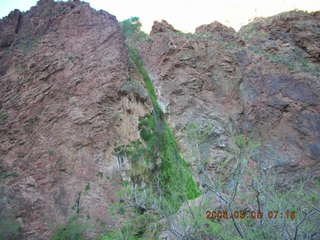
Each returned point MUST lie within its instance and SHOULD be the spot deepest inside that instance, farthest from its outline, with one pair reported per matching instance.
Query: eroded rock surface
(69, 96)
(265, 78)
(62, 65)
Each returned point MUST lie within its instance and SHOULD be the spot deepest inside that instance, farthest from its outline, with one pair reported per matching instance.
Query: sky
(184, 15)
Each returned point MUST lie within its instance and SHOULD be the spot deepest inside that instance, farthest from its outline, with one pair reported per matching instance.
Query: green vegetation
(160, 178)
(131, 26)
(135, 228)
(3, 117)
(76, 205)
(72, 58)
(293, 60)
(73, 230)
(87, 187)
(134, 87)
(27, 45)
(249, 189)
(30, 123)
(99, 174)
(174, 177)
(294, 63)
(9, 227)
(155, 158)
(131, 29)
(7, 174)
(51, 152)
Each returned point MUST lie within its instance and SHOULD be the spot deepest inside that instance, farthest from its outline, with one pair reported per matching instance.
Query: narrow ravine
(155, 157)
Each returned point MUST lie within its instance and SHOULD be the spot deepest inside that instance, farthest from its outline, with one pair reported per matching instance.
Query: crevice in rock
(18, 25)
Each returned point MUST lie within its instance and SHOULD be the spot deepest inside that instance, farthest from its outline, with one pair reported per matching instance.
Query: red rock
(63, 107)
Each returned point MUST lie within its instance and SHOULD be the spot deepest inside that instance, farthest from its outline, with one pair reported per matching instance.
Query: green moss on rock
(155, 158)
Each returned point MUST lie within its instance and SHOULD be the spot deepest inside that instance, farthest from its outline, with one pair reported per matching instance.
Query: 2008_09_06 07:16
(241, 214)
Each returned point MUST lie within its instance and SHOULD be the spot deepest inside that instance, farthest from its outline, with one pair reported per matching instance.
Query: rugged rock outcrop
(62, 66)
(162, 26)
(265, 78)
(280, 90)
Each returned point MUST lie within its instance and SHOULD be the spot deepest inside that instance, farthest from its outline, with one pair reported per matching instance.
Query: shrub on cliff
(246, 201)
(131, 29)
(73, 230)
(9, 228)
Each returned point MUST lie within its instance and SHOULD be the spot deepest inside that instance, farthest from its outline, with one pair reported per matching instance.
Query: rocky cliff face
(265, 77)
(68, 98)
(62, 65)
